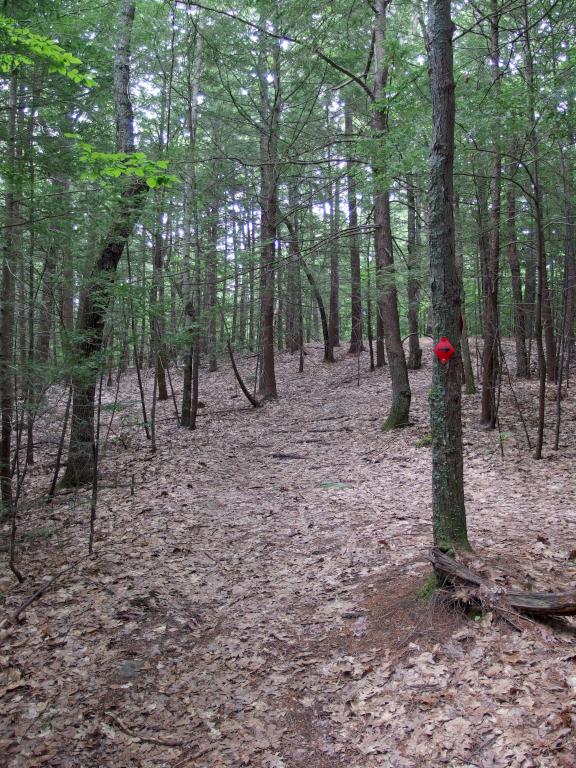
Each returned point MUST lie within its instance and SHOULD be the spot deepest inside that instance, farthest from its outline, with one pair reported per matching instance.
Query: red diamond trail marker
(444, 350)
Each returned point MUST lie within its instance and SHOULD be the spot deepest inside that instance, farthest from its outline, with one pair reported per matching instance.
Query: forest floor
(255, 601)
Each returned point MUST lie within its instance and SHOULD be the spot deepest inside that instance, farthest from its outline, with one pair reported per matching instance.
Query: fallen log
(534, 603)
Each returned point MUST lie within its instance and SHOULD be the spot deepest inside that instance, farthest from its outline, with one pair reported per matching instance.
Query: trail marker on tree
(444, 350)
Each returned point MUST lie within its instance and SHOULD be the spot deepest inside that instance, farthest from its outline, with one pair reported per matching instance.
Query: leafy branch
(58, 60)
(102, 165)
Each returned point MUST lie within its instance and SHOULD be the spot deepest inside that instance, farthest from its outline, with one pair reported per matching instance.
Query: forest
(287, 339)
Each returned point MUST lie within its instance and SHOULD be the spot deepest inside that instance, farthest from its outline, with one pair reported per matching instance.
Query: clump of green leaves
(424, 442)
(37, 46)
(113, 165)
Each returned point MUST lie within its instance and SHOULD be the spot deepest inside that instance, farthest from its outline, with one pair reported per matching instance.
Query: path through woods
(254, 602)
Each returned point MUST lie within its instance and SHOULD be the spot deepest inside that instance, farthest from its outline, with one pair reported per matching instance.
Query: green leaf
(335, 485)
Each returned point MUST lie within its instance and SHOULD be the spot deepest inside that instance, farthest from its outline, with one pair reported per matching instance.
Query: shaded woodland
(234, 242)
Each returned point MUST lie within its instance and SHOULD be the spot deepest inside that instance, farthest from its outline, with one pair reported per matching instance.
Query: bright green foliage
(103, 165)
(40, 47)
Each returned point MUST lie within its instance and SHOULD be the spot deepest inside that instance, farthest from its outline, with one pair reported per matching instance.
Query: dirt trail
(253, 603)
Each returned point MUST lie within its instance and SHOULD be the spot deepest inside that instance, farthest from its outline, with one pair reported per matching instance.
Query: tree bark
(251, 283)
(543, 303)
(387, 292)
(334, 324)
(449, 514)
(569, 304)
(96, 296)
(157, 319)
(328, 349)
(190, 219)
(269, 125)
(9, 262)
(464, 344)
(211, 285)
(522, 370)
(413, 282)
(491, 269)
(355, 279)
(293, 287)
(235, 297)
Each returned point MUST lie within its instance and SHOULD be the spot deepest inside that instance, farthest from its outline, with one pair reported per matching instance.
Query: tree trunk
(387, 293)
(96, 296)
(211, 285)
(369, 333)
(464, 345)
(334, 324)
(223, 337)
(413, 283)
(491, 269)
(157, 319)
(328, 350)
(9, 262)
(449, 514)
(251, 283)
(543, 306)
(293, 288)
(46, 309)
(569, 308)
(281, 298)
(235, 297)
(269, 120)
(242, 313)
(530, 292)
(190, 218)
(522, 369)
(67, 287)
(355, 279)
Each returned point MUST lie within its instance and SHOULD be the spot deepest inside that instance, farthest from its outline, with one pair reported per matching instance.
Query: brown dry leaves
(253, 603)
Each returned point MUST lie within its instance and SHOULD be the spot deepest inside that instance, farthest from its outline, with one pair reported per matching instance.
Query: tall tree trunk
(67, 287)
(522, 369)
(244, 297)
(530, 291)
(235, 297)
(18, 249)
(569, 304)
(334, 323)
(543, 305)
(387, 293)
(293, 287)
(269, 124)
(464, 344)
(355, 279)
(328, 349)
(31, 394)
(369, 334)
(251, 284)
(449, 514)
(280, 293)
(96, 296)
(223, 337)
(157, 319)
(413, 283)
(9, 262)
(491, 269)
(241, 332)
(211, 284)
(190, 218)
(46, 309)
